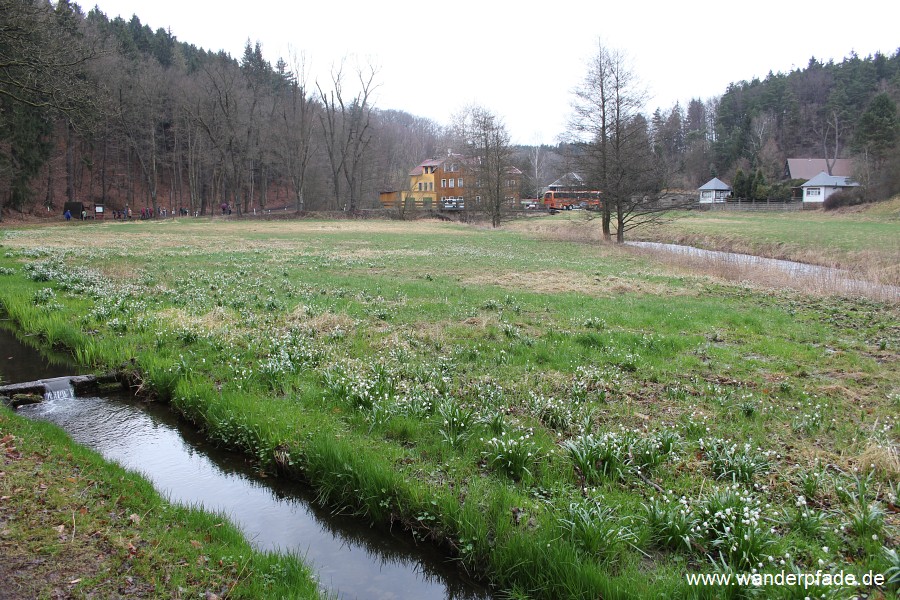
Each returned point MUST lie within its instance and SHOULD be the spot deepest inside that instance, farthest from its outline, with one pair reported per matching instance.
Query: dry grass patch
(368, 253)
(430, 333)
(424, 226)
(118, 270)
(559, 282)
(822, 283)
(579, 230)
(323, 324)
(881, 457)
(217, 321)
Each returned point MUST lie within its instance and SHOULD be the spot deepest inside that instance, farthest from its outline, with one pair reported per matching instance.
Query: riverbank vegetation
(863, 242)
(568, 420)
(73, 526)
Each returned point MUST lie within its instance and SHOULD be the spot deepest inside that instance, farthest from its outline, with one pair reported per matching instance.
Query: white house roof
(823, 179)
(715, 184)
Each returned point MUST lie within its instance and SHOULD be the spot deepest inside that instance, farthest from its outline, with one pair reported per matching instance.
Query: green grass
(814, 230)
(70, 521)
(866, 242)
(436, 377)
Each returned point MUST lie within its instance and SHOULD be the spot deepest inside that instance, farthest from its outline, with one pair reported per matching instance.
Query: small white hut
(714, 191)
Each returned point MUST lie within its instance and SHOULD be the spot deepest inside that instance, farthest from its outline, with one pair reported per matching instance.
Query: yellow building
(421, 192)
(446, 184)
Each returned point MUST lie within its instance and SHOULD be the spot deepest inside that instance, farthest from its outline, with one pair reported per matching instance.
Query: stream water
(351, 560)
(838, 278)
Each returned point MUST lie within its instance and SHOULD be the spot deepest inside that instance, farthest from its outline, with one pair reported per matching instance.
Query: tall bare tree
(295, 111)
(346, 127)
(614, 139)
(141, 110)
(228, 116)
(487, 149)
(591, 125)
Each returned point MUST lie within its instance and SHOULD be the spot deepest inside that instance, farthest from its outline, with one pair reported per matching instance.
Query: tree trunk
(49, 198)
(606, 221)
(70, 163)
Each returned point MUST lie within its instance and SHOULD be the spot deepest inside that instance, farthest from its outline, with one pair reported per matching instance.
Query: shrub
(847, 197)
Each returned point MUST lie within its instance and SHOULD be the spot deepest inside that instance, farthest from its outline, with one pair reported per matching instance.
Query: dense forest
(112, 112)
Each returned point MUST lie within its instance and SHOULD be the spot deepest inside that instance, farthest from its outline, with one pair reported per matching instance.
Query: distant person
(68, 215)
(83, 215)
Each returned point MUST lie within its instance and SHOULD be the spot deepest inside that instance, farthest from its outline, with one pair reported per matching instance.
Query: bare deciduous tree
(295, 110)
(615, 147)
(42, 54)
(346, 129)
(141, 90)
(487, 149)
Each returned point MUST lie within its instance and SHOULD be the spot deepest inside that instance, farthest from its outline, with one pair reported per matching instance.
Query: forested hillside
(153, 121)
(109, 111)
(826, 110)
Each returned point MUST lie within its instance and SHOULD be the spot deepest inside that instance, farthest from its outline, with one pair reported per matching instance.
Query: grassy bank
(865, 241)
(570, 420)
(72, 525)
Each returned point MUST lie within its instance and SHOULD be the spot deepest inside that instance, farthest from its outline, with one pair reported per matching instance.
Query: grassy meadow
(568, 419)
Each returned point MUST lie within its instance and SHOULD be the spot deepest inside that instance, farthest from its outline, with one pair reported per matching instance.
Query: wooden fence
(774, 205)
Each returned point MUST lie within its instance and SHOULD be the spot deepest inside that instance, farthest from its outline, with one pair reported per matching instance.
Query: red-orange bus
(567, 200)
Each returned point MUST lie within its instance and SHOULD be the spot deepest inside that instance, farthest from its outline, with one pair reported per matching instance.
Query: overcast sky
(522, 59)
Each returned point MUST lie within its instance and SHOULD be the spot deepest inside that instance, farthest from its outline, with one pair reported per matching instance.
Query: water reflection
(351, 559)
(20, 363)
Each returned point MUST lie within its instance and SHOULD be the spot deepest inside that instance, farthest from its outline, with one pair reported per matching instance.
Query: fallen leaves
(9, 448)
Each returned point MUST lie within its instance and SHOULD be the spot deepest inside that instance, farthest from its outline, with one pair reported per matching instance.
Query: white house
(714, 191)
(823, 185)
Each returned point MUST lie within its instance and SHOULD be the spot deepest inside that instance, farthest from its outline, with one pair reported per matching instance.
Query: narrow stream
(350, 559)
(837, 277)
